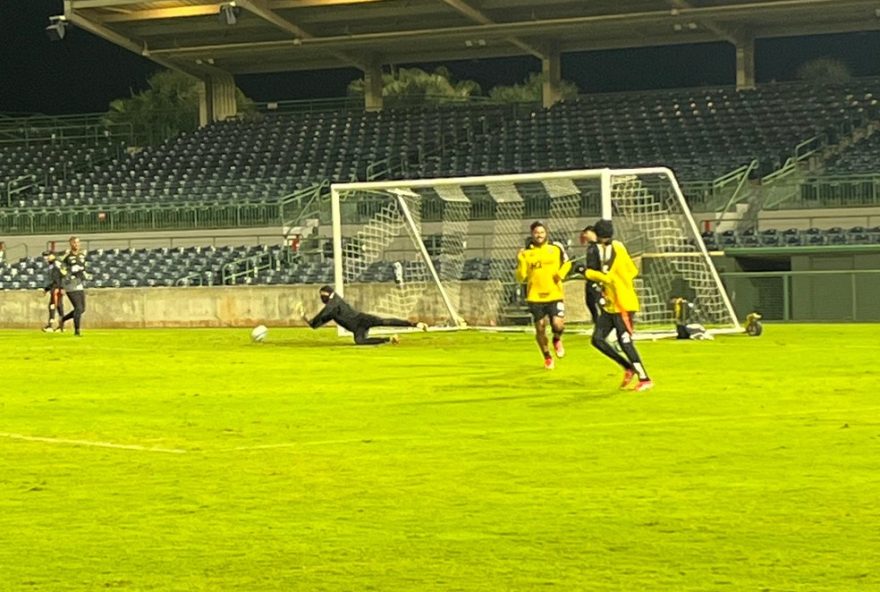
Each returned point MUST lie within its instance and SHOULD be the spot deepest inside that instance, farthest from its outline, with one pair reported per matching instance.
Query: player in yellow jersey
(616, 275)
(542, 266)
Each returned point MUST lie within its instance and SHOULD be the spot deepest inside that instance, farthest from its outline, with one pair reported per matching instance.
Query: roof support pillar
(217, 98)
(552, 75)
(745, 62)
(373, 85)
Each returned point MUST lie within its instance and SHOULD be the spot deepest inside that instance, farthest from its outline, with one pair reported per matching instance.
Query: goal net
(444, 250)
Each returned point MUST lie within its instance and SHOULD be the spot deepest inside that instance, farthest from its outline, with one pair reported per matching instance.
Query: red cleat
(643, 385)
(548, 363)
(628, 375)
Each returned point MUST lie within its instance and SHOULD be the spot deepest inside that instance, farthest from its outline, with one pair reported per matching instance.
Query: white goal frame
(606, 177)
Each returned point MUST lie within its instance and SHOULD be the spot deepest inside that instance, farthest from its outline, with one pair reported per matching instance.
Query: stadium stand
(792, 237)
(45, 162)
(862, 157)
(701, 134)
(276, 265)
(122, 268)
(261, 160)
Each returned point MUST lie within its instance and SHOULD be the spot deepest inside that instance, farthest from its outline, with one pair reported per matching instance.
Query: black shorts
(539, 310)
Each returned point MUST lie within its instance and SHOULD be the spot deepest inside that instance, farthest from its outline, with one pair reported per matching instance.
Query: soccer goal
(444, 250)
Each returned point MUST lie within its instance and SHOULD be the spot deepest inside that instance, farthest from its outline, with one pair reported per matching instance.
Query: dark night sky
(84, 73)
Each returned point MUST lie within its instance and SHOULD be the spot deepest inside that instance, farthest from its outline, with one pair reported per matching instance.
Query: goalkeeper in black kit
(73, 272)
(338, 310)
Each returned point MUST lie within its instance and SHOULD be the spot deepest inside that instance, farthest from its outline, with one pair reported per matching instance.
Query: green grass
(450, 462)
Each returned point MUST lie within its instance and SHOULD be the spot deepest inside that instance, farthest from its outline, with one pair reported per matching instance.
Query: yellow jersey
(543, 269)
(616, 277)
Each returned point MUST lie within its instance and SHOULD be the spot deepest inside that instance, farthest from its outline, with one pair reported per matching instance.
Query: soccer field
(196, 460)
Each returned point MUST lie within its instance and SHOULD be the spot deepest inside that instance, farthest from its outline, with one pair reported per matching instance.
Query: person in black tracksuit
(592, 290)
(55, 292)
(338, 310)
(73, 270)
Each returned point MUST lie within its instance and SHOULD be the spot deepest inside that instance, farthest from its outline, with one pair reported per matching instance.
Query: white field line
(90, 443)
(806, 413)
(412, 438)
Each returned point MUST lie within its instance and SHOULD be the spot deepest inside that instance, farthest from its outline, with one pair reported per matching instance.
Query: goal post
(444, 250)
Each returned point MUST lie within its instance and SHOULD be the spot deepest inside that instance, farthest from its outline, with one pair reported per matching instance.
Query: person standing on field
(73, 271)
(56, 293)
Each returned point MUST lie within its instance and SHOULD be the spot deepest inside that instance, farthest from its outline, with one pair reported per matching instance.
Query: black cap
(589, 228)
(604, 229)
(327, 289)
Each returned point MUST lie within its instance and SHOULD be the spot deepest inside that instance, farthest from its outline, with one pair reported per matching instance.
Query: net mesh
(651, 221)
(468, 232)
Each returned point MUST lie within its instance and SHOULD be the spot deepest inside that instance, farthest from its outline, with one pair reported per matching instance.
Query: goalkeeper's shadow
(580, 399)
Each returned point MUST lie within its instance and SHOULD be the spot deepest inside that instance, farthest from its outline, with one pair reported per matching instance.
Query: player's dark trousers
(604, 325)
(592, 299)
(56, 305)
(78, 300)
(367, 322)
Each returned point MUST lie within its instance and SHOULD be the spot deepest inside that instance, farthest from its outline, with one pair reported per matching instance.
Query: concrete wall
(243, 306)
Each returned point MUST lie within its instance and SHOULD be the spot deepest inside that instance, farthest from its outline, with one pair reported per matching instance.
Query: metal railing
(170, 241)
(142, 217)
(90, 128)
(834, 191)
(249, 266)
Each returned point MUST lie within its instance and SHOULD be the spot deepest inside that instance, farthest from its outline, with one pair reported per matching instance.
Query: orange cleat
(644, 385)
(628, 375)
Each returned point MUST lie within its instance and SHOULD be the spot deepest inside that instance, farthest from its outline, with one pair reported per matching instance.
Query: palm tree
(169, 106)
(824, 71)
(530, 90)
(414, 86)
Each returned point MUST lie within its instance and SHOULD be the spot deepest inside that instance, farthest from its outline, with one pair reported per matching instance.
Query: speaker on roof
(57, 29)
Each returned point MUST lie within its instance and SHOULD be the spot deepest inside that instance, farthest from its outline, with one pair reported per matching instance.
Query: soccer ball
(258, 335)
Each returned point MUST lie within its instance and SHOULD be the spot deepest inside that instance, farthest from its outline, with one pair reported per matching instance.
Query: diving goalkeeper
(338, 310)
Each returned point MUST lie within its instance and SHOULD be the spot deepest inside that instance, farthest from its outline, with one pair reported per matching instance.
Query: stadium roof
(285, 35)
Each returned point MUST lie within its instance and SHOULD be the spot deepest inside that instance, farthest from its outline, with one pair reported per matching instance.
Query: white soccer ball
(258, 335)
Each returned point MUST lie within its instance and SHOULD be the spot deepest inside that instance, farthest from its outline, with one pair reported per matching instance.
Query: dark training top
(340, 311)
(73, 268)
(54, 277)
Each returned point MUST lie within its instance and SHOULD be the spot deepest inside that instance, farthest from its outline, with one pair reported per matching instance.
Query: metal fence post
(855, 314)
(786, 297)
